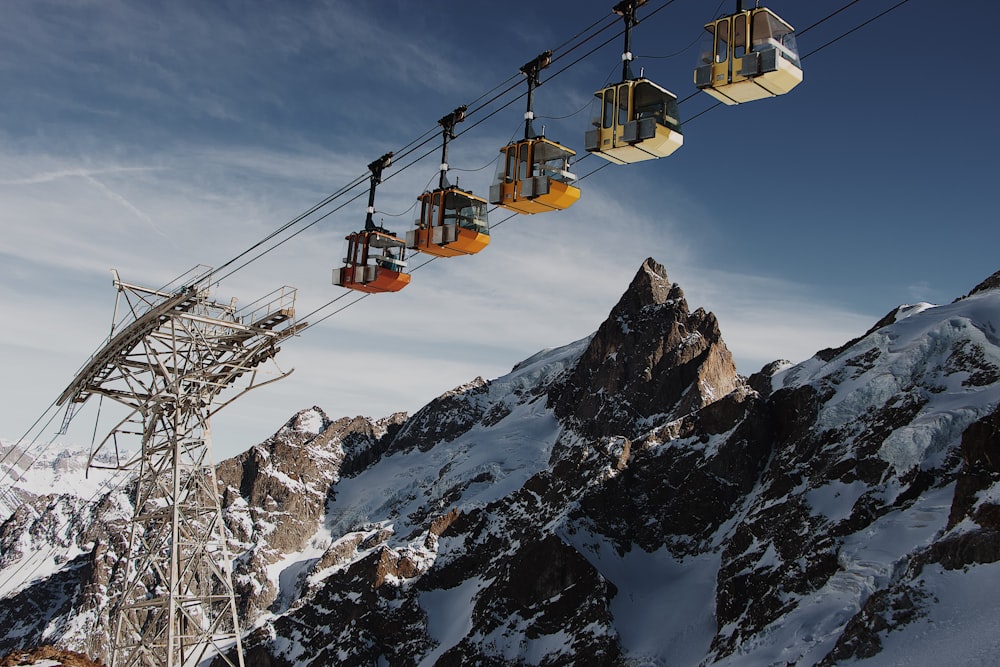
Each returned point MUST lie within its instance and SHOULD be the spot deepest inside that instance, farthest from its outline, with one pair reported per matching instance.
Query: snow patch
(664, 606)
(959, 626)
(835, 500)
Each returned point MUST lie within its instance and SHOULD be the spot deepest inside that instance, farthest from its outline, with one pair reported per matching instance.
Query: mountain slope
(625, 499)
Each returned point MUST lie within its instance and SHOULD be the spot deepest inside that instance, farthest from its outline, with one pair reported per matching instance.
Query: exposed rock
(275, 494)
(48, 655)
(651, 360)
(993, 282)
(443, 419)
(980, 470)
(762, 380)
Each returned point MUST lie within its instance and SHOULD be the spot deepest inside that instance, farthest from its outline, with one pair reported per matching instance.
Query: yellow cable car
(639, 121)
(748, 56)
(533, 177)
(373, 272)
(452, 222)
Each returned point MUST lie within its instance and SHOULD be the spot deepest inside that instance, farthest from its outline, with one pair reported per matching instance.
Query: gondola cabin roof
(546, 149)
(382, 239)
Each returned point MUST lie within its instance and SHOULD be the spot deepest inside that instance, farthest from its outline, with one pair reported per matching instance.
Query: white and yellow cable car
(747, 56)
(639, 120)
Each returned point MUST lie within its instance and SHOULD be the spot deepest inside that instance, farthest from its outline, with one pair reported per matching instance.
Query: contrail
(89, 176)
(114, 196)
(46, 177)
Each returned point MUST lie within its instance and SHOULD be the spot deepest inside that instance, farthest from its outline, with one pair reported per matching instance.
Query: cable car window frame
(461, 208)
(707, 48)
(776, 33)
(437, 211)
(624, 104)
(761, 32)
(722, 41)
(425, 203)
(608, 110)
(647, 100)
(450, 209)
(739, 43)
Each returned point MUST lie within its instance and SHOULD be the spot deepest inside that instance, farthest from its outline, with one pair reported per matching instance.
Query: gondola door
(615, 112)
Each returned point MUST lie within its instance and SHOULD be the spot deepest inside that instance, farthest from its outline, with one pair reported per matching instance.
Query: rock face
(47, 655)
(651, 361)
(626, 499)
(274, 495)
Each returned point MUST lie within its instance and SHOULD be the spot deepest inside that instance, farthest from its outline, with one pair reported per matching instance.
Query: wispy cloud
(90, 176)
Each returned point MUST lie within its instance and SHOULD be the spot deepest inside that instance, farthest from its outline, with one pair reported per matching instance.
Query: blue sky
(154, 136)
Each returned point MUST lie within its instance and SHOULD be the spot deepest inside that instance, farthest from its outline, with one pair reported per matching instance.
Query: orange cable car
(639, 119)
(747, 56)
(533, 177)
(452, 221)
(375, 258)
(533, 174)
(373, 272)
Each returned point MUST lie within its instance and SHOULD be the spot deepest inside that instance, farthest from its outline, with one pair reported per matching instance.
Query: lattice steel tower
(169, 362)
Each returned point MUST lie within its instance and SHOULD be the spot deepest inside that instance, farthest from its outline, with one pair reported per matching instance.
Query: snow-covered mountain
(627, 499)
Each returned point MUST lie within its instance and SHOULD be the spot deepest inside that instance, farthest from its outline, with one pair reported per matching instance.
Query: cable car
(639, 119)
(374, 263)
(533, 174)
(452, 221)
(375, 257)
(748, 56)
(533, 177)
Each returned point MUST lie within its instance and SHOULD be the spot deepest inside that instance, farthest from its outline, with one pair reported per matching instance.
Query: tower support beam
(170, 366)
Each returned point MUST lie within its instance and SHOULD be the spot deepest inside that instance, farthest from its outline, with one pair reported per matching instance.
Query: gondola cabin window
(722, 42)
(739, 36)
(468, 213)
(769, 31)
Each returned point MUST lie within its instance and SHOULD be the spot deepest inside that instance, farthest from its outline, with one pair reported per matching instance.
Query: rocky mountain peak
(311, 421)
(652, 359)
(649, 287)
(993, 282)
